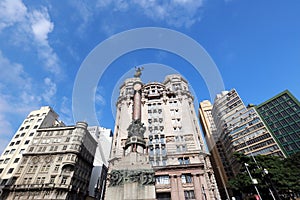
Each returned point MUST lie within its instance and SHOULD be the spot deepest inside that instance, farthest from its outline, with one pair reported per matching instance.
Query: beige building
(174, 146)
(213, 144)
(57, 165)
(12, 154)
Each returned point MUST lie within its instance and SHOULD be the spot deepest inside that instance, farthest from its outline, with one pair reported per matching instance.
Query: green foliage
(283, 175)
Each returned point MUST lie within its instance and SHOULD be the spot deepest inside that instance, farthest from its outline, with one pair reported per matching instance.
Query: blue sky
(255, 45)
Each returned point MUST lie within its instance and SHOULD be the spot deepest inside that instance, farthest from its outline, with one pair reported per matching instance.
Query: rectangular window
(16, 160)
(164, 179)
(189, 194)
(6, 160)
(26, 142)
(21, 151)
(12, 151)
(64, 180)
(11, 144)
(186, 178)
(52, 179)
(10, 170)
(31, 134)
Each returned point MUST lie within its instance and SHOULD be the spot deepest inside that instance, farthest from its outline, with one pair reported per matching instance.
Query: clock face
(137, 86)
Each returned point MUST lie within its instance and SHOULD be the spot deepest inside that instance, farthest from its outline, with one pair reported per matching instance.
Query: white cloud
(50, 90)
(19, 94)
(41, 25)
(178, 13)
(32, 27)
(11, 12)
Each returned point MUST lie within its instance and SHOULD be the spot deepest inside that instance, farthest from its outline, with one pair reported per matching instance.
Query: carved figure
(136, 128)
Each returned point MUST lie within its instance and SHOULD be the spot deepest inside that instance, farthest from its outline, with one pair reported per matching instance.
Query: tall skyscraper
(57, 165)
(103, 137)
(235, 128)
(174, 145)
(282, 115)
(12, 155)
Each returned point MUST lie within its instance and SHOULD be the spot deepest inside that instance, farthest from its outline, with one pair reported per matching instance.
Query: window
(1, 161)
(56, 168)
(43, 180)
(164, 179)
(11, 144)
(16, 160)
(35, 127)
(27, 127)
(64, 180)
(21, 151)
(31, 134)
(59, 158)
(22, 134)
(64, 147)
(189, 194)
(52, 179)
(6, 160)
(18, 142)
(6, 152)
(186, 178)
(17, 136)
(10, 170)
(163, 196)
(31, 149)
(27, 141)
(20, 169)
(184, 161)
(12, 151)
(22, 128)
(68, 139)
(1, 170)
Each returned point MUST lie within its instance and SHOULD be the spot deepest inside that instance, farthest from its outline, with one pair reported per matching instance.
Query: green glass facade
(282, 115)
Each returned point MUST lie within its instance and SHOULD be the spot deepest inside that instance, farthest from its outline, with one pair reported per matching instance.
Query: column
(197, 186)
(174, 190)
(180, 188)
(137, 105)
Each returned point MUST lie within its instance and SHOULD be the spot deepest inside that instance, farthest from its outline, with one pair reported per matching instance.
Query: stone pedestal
(131, 178)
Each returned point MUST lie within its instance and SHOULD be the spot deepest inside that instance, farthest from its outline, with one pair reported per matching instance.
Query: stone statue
(138, 72)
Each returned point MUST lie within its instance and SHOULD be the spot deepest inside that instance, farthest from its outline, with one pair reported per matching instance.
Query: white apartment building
(240, 129)
(12, 154)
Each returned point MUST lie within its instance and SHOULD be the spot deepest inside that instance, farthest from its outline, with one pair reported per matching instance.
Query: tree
(279, 175)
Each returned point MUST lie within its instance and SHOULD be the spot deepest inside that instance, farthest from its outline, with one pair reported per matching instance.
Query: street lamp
(253, 180)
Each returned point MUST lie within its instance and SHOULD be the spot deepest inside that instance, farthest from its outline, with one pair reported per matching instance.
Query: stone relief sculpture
(136, 128)
(119, 177)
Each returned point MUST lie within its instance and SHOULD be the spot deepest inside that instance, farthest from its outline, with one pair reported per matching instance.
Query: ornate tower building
(157, 122)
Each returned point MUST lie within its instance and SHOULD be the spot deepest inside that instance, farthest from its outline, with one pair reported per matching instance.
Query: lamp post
(254, 181)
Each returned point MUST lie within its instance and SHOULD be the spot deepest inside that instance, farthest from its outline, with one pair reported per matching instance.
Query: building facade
(174, 143)
(57, 165)
(282, 115)
(214, 146)
(241, 129)
(97, 183)
(13, 153)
